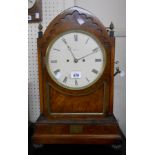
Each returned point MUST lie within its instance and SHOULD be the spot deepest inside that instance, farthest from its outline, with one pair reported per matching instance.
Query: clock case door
(96, 101)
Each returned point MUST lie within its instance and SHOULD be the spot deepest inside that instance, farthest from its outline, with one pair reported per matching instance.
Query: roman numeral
(64, 40)
(54, 61)
(76, 83)
(95, 71)
(65, 80)
(95, 49)
(75, 37)
(55, 49)
(86, 41)
(56, 71)
(98, 60)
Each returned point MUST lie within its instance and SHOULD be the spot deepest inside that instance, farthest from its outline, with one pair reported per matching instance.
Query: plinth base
(103, 131)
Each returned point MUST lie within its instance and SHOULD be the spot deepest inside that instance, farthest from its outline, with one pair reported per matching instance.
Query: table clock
(76, 81)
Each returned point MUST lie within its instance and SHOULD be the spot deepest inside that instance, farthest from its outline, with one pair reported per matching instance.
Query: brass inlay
(76, 129)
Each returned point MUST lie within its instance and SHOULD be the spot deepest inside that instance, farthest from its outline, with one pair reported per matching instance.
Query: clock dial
(75, 60)
(31, 3)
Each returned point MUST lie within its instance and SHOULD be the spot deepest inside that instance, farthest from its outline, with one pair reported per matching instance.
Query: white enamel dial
(75, 60)
(31, 3)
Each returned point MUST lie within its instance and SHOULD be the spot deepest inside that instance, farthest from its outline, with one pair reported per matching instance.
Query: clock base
(103, 131)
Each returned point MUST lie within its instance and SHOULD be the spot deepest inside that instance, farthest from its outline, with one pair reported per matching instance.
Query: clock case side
(92, 25)
(111, 97)
(40, 70)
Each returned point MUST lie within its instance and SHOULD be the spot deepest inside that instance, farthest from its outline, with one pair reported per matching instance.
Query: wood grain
(90, 103)
(55, 133)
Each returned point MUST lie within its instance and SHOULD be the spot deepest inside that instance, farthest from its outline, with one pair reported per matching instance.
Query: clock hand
(70, 50)
(87, 55)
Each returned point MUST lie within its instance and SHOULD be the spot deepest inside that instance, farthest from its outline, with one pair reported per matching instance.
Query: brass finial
(40, 27)
(111, 27)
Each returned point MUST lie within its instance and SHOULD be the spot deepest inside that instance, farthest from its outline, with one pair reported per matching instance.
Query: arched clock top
(77, 18)
(73, 21)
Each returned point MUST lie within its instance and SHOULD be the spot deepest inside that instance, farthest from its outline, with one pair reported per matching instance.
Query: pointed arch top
(77, 18)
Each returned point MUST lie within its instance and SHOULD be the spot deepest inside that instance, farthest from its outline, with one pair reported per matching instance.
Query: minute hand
(87, 55)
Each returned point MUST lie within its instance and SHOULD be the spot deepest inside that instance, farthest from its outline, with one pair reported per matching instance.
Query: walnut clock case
(76, 77)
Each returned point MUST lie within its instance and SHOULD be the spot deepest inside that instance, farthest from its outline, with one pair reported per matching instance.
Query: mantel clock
(76, 78)
(34, 11)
